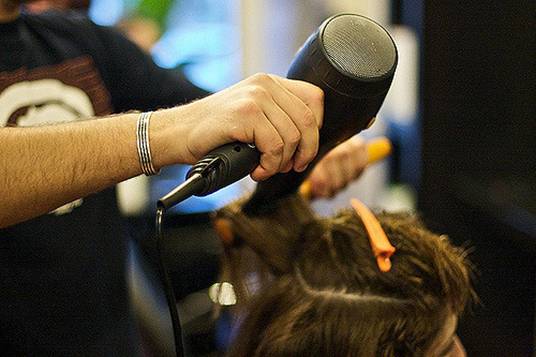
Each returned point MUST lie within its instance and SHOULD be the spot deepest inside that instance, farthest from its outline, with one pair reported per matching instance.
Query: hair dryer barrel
(353, 60)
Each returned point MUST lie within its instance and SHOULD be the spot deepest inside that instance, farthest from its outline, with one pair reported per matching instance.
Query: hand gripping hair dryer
(353, 60)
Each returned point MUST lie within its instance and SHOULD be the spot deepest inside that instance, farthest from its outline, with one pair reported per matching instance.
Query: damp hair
(318, 290)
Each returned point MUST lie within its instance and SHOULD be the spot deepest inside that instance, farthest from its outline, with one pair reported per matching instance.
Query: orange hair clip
(381, 247)
(224, 231)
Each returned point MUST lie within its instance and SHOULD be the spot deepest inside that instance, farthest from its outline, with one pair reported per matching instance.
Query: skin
(338, 168)
(64, 162)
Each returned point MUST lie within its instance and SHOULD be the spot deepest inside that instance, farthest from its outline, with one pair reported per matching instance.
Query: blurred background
(460, 114)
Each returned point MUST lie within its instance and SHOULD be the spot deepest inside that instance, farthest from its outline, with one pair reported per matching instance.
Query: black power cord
(217, 169)
(166, 283)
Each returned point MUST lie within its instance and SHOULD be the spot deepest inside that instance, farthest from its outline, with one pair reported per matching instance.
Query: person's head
(332, 299)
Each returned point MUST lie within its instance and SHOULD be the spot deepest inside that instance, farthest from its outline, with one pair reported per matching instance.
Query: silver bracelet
(142, 142)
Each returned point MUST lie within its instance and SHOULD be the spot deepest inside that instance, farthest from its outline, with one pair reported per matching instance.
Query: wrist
(167, 135)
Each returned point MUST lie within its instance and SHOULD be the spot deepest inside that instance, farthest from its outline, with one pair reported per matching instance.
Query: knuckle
(346, 155)
(360, 148)
(261, 77)
(362, 162)
(318, 95)
(321, 184)
(269, 169)
(274, 170)
(257, 92)
(308, 119)
(248, 107)
(294, 137)
(329, 159)
(361, 157)
(239, 133)
(276, 149)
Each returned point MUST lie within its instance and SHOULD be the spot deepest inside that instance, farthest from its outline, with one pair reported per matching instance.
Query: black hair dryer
(353, 60)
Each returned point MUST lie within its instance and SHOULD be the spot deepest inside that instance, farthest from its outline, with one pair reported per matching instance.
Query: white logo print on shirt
(45, 101)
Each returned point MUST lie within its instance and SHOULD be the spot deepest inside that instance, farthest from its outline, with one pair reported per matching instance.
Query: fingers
(338, 168)
(288, 132)
(280, 120)
(358, 157)
(320, 183)
(332, 176)
(305, 105)
(267, 139)
(310, 94)
(296, 121)
(272, 152)
(280, 116)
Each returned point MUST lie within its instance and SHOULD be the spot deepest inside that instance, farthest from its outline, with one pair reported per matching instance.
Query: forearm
(42, 168)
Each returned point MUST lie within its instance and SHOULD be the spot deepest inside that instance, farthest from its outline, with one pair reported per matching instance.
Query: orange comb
(378, 149)
(381, 247)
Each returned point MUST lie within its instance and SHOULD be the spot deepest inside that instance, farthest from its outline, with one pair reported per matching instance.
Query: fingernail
(301, 168)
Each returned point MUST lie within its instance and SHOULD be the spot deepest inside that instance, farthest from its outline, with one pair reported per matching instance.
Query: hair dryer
(353, 60)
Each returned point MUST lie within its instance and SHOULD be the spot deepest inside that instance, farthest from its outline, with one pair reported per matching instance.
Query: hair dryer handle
(230, 163)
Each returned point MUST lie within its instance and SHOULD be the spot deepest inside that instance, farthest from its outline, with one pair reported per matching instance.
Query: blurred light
(222, 294)
(208, 52)
(106, 12)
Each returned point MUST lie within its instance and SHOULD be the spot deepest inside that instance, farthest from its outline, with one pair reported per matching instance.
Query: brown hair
(322, 294)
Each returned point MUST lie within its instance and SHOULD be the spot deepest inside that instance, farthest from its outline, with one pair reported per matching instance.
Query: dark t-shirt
(62, 275)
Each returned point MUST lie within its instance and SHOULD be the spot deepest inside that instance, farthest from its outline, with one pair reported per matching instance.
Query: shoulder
(72, 25)
(76, 28)
(72, 22)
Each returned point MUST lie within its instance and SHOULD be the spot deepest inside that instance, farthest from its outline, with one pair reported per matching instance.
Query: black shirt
(62, 275)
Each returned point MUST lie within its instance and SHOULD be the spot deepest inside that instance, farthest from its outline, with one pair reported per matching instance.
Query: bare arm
(42, 168)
